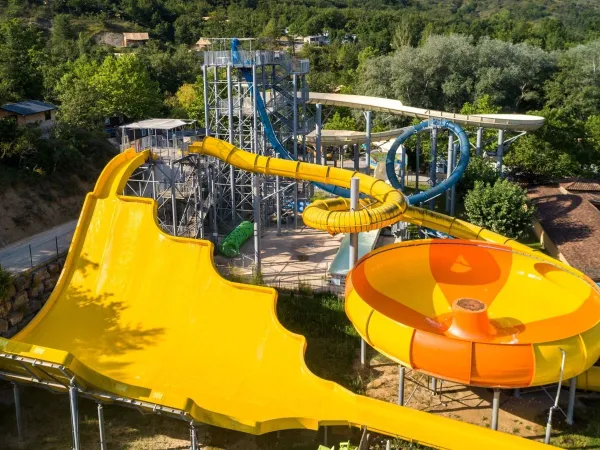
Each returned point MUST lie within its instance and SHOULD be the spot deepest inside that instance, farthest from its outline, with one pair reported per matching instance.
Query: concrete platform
(297, 257)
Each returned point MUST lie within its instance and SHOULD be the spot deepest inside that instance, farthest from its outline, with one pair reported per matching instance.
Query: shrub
(502, 207)
(479, 169)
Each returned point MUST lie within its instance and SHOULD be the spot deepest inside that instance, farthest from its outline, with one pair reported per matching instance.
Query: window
(47, 115)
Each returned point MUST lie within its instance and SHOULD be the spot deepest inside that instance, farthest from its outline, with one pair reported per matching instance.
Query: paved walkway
(29, 252)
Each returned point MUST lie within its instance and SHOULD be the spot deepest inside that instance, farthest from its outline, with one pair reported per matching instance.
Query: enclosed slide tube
(230, 246)
(268, 127)
(465, 154)
(344, 192)
(332, 215)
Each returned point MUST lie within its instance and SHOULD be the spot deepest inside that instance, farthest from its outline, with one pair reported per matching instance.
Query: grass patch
(332, 340)
(585, 433)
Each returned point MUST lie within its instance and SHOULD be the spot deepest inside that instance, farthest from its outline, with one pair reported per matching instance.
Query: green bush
(5, 282)
(502, 207)
(479, 169)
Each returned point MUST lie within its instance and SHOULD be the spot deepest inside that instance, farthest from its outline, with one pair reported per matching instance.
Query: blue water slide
(465, 154)
(268, 127)
(391, 155)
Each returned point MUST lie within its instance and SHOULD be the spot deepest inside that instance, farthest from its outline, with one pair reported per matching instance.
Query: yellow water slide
(563, 305)
(143, 318)
(332, 215)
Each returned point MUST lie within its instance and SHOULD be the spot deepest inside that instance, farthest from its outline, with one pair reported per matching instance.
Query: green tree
(125, 88)
(502, 207)
(119, 86)
(170, 66)
(271, 30)
(188, 102)
(339, 122)
(479, 169)
(575, 87)
(533, 159)
(481, 105)
(20, 75)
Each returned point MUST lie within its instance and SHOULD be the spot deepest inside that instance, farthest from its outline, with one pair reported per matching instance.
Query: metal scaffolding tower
(231, 114)
(176, 180)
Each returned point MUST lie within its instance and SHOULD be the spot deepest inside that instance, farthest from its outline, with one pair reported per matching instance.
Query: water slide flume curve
(333, 215)
(106, 330)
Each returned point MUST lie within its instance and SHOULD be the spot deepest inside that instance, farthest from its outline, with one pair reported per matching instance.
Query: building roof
(158, 124)
(136, 36)
(573, 224)
(29, 107)
(203, 42)
(583, 186)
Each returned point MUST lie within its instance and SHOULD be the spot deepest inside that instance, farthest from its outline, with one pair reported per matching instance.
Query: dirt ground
(525, 416)
(30, 207)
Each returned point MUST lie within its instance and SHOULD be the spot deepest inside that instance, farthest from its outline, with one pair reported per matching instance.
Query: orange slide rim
(416, 340)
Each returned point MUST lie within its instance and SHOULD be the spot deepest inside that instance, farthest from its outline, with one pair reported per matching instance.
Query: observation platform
(247, 59)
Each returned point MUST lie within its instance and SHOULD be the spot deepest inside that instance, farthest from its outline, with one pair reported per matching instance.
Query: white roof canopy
(158, 124)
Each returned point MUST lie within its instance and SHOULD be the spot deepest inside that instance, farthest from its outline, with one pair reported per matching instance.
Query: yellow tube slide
(333, 215)
(329, 215)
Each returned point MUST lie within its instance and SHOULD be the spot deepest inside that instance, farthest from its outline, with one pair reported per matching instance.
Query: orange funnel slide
(477, 313)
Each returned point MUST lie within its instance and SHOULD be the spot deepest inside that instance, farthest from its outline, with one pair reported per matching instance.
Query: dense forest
(537, 56)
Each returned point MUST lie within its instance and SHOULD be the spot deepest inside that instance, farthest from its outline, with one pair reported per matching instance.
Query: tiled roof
(583, 186)
(28, 107)
(573, 224)
(136, 36)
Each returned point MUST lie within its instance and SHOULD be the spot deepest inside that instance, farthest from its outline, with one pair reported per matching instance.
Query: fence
(28, 256)
(241, 269)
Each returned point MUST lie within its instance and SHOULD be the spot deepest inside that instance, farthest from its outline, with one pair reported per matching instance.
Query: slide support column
(231, 140)
(449, 168)
(212, 196)
(368, 117)
(417, 162)
(571, 407)
(401, 376)
(500, 153)
(433, 165)
(433, 384)
(256, 213)
(193, 437)
(479, 142)
(495, 409)
(74, 414)
(18, 410)
(278, 201)
(101, 426)
(295, 142)
(453, 188)
(173, 199)
(206, 111)
(354, 196)
(318, 132)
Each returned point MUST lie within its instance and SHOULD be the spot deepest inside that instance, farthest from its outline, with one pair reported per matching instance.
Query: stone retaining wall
(29, 291)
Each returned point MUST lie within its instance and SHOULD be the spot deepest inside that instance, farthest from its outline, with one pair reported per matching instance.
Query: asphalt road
(33, 250)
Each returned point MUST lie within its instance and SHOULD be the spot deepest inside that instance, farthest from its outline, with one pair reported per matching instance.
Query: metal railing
(250, 58)
(28, 256)
(241, 269)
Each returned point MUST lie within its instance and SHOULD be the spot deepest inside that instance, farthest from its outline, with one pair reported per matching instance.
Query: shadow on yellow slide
(142, 317)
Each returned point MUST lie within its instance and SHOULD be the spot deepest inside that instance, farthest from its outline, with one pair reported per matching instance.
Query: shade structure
(477, 313)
